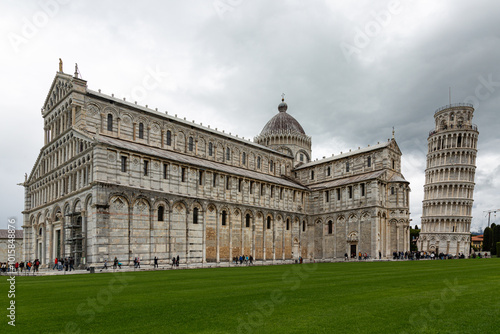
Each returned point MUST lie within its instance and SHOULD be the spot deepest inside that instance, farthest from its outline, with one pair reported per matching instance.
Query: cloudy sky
(350, 71)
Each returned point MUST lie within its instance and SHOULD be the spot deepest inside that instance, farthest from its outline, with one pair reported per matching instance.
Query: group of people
(175, 261)
(64, 264)
(20, 266)
(243, 258)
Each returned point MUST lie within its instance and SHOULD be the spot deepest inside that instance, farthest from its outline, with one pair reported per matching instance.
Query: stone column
(252, 246)
(84, 237)
(119, 126)
(134, 126)
(187, 230)
(204, 237)
(218, 221)
(50, 242)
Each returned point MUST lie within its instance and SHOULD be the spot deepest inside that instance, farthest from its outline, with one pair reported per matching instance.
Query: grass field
(454, 296)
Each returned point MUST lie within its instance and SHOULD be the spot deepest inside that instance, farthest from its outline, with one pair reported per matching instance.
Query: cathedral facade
(115, 179)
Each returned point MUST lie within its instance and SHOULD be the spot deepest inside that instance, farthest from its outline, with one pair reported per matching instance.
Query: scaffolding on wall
(74, 236)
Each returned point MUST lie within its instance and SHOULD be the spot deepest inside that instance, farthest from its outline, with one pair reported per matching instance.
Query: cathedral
(116, 179)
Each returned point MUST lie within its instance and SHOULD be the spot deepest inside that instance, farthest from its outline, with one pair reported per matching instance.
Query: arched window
(169, 138)
(301, 157)
(271, 165)
(247, 220)
(369, 162)
(303, 226)
(330, 227)
(224, 218)
(268, 223)
(110, 122)
(161, 212)
(243, 158)
(210, 149)
(228, 154)
(312, 175)
(328, 171)
(347, 166)
(195, 216)
(258, 162)
(190, 144)
(141, 130)
(288, 224)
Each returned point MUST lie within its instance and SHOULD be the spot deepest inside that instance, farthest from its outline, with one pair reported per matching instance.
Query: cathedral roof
(282, 122)
(182, 158)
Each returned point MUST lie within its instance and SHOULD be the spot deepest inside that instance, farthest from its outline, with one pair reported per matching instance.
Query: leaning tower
(449, 181)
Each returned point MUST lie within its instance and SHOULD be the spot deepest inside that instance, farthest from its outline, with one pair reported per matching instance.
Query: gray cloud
(229, 69)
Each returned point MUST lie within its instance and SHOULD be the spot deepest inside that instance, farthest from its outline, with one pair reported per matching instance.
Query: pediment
(393, 145)
(54, 146)
(60, 88)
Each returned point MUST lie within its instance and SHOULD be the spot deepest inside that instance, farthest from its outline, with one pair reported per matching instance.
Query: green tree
(495, 239)
(487, 239)
(498, 249)
(414, 234)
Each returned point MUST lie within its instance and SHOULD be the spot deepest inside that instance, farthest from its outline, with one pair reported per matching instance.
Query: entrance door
(353, 251)
(58, 244)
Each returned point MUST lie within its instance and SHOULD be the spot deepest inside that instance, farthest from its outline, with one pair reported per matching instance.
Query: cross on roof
(283, 97)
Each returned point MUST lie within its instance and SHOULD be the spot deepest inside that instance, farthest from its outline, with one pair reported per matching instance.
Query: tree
(498, 249)
(414, 234)
(487, 239)
(495, 239)
(416, 227)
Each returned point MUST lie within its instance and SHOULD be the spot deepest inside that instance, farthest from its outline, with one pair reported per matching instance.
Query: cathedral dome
(282, 122)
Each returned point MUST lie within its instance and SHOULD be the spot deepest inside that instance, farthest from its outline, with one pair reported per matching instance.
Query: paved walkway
(99, 270)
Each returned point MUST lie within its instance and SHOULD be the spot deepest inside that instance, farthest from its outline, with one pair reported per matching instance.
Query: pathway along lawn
(460, 296)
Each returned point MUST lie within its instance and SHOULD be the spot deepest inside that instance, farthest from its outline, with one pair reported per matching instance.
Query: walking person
(177, 262)
(55, 264)
(71, 263)
(155, 263)
(105, 265)
(173, 262)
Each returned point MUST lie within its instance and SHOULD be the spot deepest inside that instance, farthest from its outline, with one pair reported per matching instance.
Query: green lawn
(454, 296)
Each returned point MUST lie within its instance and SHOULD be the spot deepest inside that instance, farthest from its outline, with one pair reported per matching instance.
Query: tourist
(173, 262)
(71, 263)
(155, 262)
(177, 262)
(21, 265)
(37, 264)
(55, 264)
(379, 255)
(28, 266)
(251, 259)
(115, 262)
(105, 264)
(61, 264)
(138, 262)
